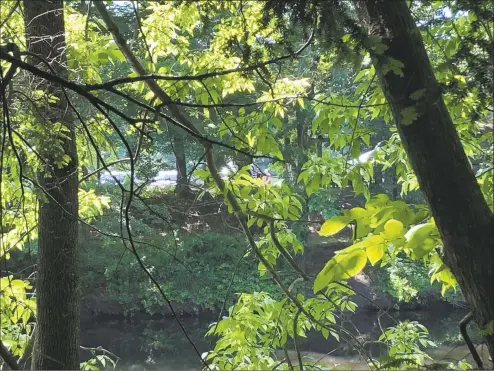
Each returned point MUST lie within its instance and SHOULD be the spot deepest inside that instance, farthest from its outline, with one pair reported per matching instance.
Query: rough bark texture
(461, 213)
(57, 284)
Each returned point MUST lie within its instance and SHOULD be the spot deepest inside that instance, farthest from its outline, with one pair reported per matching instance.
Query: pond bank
(105, 309)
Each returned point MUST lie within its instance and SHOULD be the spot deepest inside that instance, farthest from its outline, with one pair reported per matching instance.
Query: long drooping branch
(94, 100)
(139, 68)
(154, 76)
(186, 122)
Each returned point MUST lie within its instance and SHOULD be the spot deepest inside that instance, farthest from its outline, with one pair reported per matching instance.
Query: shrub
(408, 281)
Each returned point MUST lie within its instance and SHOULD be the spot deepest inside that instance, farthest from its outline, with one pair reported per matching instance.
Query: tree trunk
(459, 209)
(98, 174)
(57, 284)
(182, 186)
(320, 140)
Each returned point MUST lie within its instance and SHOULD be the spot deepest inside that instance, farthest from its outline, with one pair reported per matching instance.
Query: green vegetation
(408, 281)
(205, 257)
(127, 134)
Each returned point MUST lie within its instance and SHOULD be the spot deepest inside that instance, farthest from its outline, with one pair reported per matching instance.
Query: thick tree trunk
(57, 283)
(460, 211)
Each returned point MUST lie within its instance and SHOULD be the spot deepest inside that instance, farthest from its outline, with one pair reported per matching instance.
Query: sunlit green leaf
(342, 266)
(393, 229)
(334, 225)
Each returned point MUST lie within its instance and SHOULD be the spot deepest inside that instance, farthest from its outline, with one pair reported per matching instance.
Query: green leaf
(250, 139)
(102, 359)
(201, 173)
(335, 335)
(325, 332)
(361, 74)
(419, 239)
(450, 48)
(355, 150)
(408, 115)
(375, 253)
(488, 329)
(393, 229)
(334, 225)
(358, 213)
(342, 266)
(381, 216)
(276, 122)
(313, 184)
(446, 277)
(417, 94)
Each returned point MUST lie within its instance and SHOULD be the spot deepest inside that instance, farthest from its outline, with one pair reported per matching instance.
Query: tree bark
(461, 213)
(57, 284)
(182, 186)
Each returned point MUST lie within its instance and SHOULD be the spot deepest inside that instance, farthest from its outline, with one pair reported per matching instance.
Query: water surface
(158, 344)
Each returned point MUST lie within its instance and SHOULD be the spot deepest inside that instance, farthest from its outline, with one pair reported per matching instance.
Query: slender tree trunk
(182, 186)
(98, 165)
(460, 211)
(57, 283)
(320, 140)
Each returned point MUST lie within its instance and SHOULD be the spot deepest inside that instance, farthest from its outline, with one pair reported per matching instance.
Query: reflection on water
(155, 344)
(158, 344)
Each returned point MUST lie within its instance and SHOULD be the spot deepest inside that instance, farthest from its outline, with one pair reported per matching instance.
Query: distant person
(254, 171)
(266, 178)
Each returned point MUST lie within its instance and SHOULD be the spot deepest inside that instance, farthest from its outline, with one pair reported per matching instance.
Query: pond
(158, 344)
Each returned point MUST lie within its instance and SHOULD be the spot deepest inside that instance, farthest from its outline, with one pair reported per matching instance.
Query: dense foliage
(208, 87)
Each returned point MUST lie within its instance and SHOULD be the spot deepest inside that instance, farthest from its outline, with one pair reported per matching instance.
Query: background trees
(204, 88)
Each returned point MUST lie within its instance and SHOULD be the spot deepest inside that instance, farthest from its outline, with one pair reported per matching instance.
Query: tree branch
(5, 80)
(8, 358)
(104, 167)
(28, 351)
(81, 90)
(187, 124)
(154, 76)
(463, 330)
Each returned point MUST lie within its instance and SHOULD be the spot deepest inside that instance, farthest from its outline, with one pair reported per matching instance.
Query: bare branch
(104, 167)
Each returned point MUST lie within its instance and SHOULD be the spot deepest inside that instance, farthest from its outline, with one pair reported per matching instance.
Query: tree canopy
(389, 102)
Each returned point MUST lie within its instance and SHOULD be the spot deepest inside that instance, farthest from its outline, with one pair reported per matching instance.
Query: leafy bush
(201, 271)
(408, 281)
(323, 202)
(406, 342)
